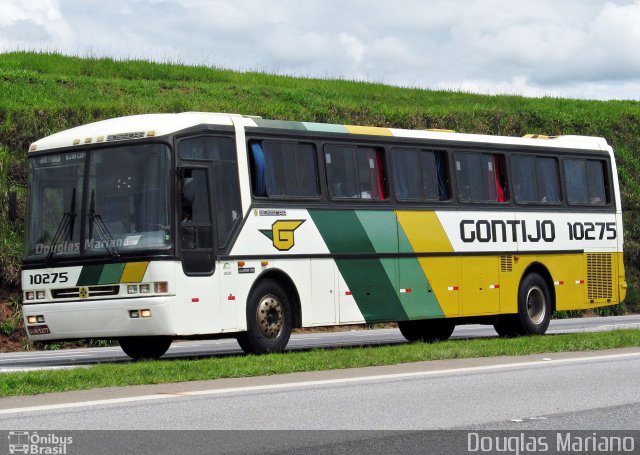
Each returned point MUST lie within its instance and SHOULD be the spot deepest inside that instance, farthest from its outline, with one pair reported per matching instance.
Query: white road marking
(59, 356)
(292, 385)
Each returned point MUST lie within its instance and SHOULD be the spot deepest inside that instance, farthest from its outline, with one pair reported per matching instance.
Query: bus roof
(153, 125)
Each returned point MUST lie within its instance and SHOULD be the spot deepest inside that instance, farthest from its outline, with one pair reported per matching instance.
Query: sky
(563, 48)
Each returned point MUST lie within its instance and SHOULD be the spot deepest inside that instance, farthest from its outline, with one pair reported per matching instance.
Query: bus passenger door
(210, 212)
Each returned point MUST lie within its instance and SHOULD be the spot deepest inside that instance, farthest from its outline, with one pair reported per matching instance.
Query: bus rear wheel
(534, 309)
(139, 348)
(427, 330)
(269, 319)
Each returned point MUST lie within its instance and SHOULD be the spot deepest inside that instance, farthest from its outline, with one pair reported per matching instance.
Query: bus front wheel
(427, 330)
(139, 348)
(269, 319)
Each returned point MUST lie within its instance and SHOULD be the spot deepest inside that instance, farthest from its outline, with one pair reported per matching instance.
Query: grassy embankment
(159, 371)
(44, 93)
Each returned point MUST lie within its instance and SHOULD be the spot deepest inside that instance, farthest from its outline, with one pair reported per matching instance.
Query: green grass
(158, 372)
(46, 93)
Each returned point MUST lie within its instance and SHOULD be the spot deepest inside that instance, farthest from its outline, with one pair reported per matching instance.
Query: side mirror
(13, 206)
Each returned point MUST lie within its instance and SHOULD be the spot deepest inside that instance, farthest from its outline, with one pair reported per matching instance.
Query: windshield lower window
(125, 204)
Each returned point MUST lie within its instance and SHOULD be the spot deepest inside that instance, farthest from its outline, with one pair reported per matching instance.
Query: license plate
(38, 330)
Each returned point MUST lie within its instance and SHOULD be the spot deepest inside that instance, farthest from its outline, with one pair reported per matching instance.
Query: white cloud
(583, 48)
(36, 24)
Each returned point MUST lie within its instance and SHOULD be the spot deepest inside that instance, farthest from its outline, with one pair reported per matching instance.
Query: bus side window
(355, 172)
(586, 183)
(480, 177)
(290, 169)
(536, 179)
(420, 175)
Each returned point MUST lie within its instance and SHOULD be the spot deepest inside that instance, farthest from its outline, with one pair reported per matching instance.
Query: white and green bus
(151, 228)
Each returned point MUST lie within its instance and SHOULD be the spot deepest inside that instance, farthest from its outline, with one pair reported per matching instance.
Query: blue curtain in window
(399, 164)
(259, 163)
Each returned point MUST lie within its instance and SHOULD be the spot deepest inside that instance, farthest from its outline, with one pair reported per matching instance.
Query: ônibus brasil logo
(32, 443)
(281, 233)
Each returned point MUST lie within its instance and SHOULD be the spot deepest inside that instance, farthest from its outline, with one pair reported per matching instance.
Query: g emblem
(281, 233)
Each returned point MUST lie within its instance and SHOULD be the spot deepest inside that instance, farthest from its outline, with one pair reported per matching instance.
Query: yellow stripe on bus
(426, 234)
(134, 272)
(370, 130)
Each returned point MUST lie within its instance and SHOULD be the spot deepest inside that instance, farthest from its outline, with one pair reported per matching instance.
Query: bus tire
(534, 305)
(427, 330)
(508, 326)
(534, 310)
(139, 348)
(269, 320)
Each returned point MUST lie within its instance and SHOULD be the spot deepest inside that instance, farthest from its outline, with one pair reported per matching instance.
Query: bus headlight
(132, 289)
(40, 295)
(29, 295)
(145, 289)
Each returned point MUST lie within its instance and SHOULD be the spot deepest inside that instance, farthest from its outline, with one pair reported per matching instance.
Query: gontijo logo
(281, 233)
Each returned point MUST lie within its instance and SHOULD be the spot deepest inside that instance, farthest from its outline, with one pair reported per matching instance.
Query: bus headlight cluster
(35, 295)
(135, 314)
(159, 287)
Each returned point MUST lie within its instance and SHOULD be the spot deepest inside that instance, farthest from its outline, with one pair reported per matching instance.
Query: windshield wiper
(101, 228)
(65, 226)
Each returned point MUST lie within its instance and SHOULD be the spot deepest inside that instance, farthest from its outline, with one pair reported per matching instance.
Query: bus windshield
(103, 201)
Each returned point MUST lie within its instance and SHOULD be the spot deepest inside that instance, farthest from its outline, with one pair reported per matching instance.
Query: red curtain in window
(497, 173)
(380, 177)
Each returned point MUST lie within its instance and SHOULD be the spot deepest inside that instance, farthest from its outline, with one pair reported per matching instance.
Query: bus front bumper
(99, 319)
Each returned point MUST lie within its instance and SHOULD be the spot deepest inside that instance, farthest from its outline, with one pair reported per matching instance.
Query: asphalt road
(69, 358)
(568, 391)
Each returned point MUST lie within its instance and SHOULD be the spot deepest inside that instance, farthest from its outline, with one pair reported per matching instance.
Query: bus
(150, 228)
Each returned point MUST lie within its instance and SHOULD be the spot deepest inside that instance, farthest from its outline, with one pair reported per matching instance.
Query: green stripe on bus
(421, 302)
(325, 127)
(342, 231)
(280, 124)
(368, 279)
(111, 274)
(89, 275)
(381, 228)
(387, 236)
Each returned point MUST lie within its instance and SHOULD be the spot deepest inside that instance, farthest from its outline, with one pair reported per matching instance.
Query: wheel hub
(270, 317)
(536, 305)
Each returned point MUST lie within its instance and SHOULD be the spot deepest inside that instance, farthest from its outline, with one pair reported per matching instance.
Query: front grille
(506, 263)
(93, 291)
(599, 276)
